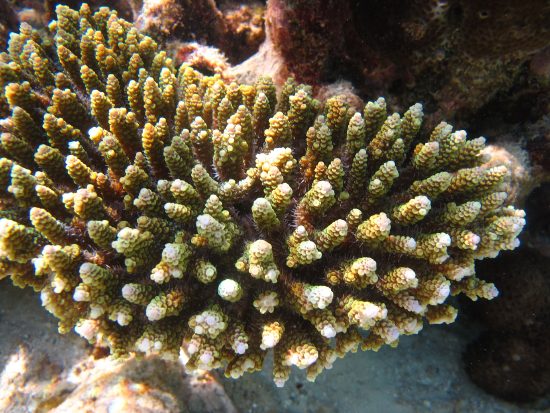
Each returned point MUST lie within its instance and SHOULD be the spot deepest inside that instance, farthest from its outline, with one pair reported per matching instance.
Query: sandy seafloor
(42, 371)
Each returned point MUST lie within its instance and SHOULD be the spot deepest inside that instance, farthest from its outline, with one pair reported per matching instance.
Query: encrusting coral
(151, 205)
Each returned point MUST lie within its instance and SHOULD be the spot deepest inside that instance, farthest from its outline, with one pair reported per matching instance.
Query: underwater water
(125, 213)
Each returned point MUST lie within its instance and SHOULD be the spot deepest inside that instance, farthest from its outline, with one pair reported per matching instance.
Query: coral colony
(152, 206)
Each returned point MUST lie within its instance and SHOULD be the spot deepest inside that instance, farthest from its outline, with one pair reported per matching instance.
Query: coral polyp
(152, 205)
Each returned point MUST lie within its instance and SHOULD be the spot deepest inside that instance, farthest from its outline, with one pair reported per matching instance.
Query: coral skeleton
(152, 205)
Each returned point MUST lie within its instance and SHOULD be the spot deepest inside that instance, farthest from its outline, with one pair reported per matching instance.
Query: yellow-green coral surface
(151, 205)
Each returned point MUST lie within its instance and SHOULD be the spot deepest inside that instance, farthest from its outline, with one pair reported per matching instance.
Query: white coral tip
(328, 331)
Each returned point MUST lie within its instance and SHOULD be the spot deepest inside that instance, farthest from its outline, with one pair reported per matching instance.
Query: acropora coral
(151, 205)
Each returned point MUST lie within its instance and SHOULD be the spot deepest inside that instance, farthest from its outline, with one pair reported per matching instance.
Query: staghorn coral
(151, 205)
